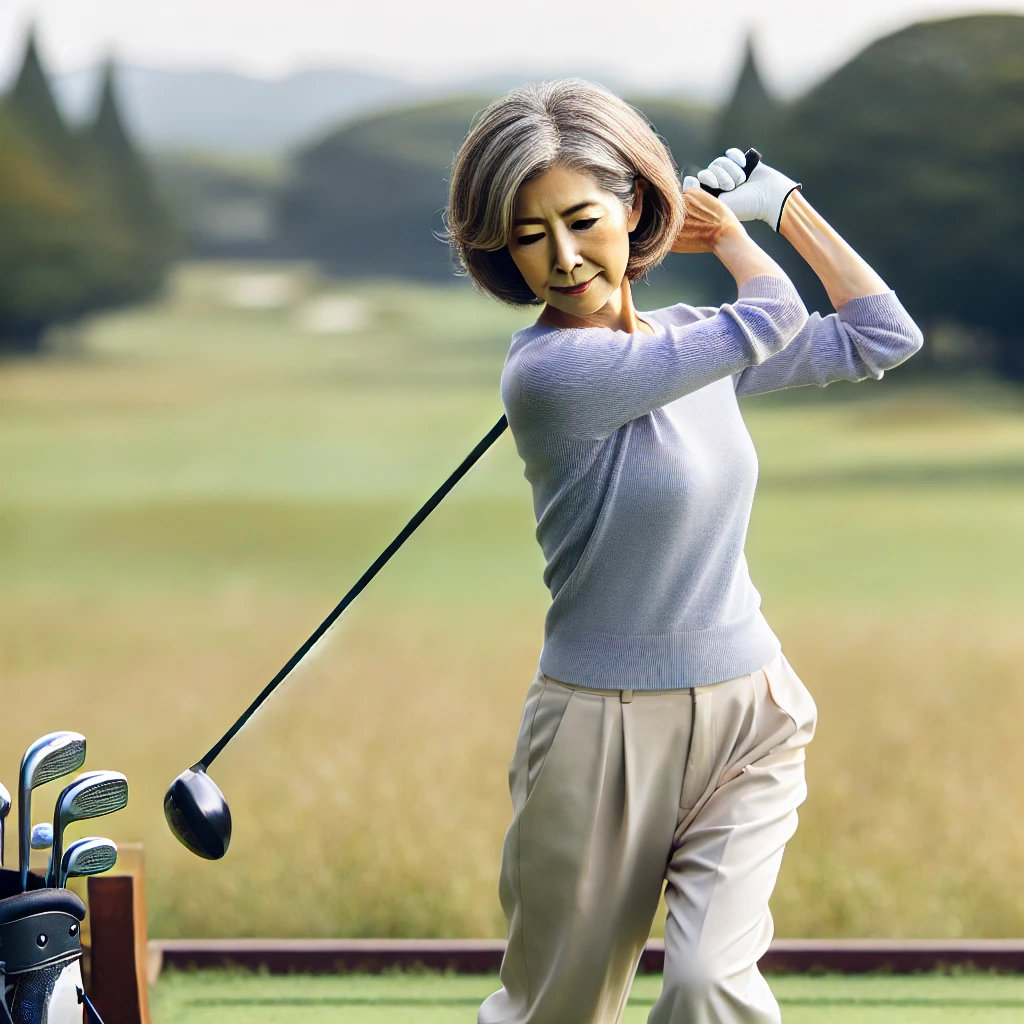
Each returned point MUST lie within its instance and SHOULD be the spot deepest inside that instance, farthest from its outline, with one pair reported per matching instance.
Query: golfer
(662, 740)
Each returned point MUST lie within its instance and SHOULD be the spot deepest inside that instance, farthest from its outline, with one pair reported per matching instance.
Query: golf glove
(761, 195)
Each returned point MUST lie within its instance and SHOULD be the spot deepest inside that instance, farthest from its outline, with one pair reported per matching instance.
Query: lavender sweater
(643, 474)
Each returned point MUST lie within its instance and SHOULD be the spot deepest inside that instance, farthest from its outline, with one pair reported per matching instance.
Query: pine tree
(125, 192)
(750, 116)
(32, 105)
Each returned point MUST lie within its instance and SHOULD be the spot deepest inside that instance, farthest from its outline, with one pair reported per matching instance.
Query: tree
(125, 196)
(79, 228)
(45, 243)
(750, 116)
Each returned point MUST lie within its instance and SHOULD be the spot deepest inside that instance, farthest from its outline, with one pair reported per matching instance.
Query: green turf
(228, 998)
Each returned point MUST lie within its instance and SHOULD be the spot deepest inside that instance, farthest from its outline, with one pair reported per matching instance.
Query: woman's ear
(638, 205)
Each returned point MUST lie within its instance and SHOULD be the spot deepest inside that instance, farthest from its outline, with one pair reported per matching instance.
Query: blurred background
(234, 360)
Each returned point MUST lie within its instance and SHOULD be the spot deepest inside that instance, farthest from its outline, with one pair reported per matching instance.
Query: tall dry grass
(370, 797)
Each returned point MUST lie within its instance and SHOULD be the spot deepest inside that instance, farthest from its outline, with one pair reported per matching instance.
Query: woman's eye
(582, 225)
(529, 239)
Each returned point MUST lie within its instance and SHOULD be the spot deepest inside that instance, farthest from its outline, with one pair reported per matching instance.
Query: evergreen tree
(80, 229)
(32, 104)
(751, 115)
(46, 243)
(126, 194)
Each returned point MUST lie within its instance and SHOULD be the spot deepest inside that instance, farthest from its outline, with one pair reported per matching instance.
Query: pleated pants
(616, 793)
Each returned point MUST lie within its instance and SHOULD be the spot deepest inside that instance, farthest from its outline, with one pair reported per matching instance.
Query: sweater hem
(667, 661)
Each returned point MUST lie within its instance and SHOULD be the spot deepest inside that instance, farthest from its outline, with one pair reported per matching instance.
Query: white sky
(655, 44)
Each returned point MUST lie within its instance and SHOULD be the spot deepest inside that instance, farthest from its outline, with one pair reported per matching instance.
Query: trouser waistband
(624, 695)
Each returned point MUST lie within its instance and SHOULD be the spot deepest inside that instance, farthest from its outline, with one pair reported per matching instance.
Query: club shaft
(435, 499)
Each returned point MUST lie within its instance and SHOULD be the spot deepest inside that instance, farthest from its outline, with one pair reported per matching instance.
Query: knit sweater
(643, 473)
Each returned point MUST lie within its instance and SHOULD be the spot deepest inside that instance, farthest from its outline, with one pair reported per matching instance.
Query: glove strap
(795, 188)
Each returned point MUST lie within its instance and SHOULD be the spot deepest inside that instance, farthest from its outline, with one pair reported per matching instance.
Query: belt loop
(626, 696)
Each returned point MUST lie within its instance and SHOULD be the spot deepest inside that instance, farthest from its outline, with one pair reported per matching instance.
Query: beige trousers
(615, 793)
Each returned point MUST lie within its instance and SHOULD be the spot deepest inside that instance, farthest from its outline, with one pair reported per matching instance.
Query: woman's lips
(576, 289)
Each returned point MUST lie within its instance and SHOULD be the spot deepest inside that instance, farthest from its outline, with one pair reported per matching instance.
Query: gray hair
(568, 122)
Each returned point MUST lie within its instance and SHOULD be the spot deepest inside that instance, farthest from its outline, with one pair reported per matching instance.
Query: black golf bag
(40, 954)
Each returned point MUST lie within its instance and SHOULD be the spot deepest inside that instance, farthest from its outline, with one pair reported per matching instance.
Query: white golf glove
(759, 196)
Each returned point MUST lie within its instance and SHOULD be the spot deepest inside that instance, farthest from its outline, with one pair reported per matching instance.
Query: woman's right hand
(706, 222)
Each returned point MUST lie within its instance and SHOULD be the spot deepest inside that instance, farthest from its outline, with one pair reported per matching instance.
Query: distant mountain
(225, 112)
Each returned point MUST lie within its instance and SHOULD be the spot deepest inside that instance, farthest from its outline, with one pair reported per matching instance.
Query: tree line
(80, 227)
(914, 150)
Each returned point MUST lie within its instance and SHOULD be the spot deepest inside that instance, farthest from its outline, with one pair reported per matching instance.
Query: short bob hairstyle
(568, 122)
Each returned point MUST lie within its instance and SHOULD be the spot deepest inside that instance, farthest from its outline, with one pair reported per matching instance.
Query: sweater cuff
(883, 307)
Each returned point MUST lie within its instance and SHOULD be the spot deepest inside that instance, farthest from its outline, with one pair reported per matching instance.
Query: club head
(198, 814)
(91, 856)
(89, 796)
(5, 809)
(51, 757)
(42, 836)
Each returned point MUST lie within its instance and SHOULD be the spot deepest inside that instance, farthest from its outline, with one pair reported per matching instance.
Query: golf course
(190, 486)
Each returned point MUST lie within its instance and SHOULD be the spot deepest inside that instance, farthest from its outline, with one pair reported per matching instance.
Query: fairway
(227, 998)
(191, 487)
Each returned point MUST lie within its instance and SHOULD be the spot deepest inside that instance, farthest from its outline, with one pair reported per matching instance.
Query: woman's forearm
(843, 273)
(743, 257)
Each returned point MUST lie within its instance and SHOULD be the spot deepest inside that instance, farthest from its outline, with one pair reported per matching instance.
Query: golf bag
(41, 951)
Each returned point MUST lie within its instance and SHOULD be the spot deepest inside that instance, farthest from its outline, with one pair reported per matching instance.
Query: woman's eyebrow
(564, 213)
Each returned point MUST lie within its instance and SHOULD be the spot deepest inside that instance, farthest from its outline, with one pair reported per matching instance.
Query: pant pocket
(788, 693)
(543, 714)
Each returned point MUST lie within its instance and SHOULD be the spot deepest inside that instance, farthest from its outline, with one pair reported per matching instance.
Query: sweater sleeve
(589, 382)
(865, 337)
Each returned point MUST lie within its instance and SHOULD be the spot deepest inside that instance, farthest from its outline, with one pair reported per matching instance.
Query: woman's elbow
(910, 341)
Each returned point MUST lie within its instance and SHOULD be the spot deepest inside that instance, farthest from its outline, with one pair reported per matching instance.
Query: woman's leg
(595, 783)
(745, 783)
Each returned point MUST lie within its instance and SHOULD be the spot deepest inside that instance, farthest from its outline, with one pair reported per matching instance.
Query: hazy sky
(654, 44)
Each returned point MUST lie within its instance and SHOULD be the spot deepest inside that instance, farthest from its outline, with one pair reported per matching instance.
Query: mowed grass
(226, 998)
(189, 491)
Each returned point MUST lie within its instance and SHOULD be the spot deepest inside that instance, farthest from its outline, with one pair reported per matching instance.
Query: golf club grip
(435, 499)
(753, 159)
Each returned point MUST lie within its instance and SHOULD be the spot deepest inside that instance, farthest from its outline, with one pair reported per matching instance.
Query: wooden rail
(483, 956)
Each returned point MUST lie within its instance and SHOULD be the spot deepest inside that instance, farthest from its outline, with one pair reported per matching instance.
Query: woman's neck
(617, 314)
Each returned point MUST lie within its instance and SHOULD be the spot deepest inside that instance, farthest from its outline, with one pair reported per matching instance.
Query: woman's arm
(869, 333)
(844, 274)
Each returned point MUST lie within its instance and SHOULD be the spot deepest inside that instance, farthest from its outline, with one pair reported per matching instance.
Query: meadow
(188, 488)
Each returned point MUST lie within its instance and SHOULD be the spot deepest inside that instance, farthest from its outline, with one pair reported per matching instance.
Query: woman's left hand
(762, 196)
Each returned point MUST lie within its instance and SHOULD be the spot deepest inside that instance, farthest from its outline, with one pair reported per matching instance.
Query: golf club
(42, 836)
(51, 757)
(5, 809)
(90, 796)
(195, 808)
(83, 857)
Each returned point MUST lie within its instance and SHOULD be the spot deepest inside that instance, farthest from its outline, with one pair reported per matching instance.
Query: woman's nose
(567, 258)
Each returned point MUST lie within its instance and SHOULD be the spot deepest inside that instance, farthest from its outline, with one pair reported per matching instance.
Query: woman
(663, 737)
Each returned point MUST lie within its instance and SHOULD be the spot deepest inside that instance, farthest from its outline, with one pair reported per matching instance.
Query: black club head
(198, 814)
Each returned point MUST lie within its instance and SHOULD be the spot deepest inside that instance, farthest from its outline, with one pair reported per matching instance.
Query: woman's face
(570, 240)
